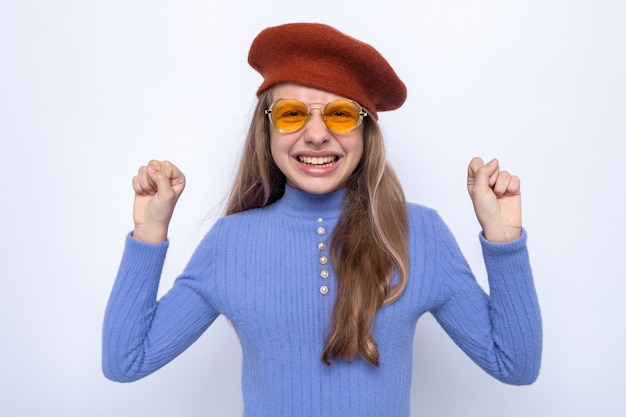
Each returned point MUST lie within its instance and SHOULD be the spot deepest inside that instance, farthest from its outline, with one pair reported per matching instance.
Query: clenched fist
(157, 186)
(497, 200)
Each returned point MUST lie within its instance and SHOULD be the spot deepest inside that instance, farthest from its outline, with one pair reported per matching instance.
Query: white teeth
(317, 160)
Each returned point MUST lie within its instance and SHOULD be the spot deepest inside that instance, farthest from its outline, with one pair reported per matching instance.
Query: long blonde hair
(369, 243)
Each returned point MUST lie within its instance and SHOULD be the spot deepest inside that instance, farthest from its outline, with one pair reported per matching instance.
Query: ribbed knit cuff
(491, 249)
(146, 258)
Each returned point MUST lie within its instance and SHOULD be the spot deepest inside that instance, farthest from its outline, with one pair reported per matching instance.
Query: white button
(320, 220)
(324, 274)
(321, 245)
(321, 231)
(324, 289)
(323, 260)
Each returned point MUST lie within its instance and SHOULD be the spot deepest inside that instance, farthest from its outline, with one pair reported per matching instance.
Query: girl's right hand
(157, 189)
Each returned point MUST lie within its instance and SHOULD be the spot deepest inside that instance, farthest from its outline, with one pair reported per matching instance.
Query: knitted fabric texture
(261, 269)
(319, 56)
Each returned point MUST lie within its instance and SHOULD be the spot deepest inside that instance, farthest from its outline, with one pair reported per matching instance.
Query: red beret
(319, 56)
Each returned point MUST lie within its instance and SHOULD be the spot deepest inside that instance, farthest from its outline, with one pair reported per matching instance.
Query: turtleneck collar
(299, 203)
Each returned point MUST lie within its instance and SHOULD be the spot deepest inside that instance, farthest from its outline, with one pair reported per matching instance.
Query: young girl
(319, 263)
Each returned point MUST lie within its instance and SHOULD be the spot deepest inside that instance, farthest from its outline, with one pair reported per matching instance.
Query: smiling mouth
(318, 161)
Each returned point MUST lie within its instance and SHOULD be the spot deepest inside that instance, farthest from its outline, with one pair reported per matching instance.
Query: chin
(317, 188)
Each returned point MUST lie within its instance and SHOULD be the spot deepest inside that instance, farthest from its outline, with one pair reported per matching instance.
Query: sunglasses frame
(362, 115)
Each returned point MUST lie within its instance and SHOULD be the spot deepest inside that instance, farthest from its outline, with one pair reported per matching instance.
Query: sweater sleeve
(502, 331)
(140, 333)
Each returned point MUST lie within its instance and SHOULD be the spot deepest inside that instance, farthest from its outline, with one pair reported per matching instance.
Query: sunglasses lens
(342, 116)
(289, 115)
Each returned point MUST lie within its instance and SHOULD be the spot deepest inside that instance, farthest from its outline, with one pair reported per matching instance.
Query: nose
(316, 131)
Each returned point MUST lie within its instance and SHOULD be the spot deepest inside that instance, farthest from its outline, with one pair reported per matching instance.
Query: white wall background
(90, 90)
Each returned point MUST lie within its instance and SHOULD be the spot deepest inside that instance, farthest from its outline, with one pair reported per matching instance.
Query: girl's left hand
(497, 200)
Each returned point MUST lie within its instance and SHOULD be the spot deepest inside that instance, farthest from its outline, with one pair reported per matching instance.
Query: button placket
(322, 258)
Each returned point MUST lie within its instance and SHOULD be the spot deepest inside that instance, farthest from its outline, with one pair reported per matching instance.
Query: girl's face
(314, 159)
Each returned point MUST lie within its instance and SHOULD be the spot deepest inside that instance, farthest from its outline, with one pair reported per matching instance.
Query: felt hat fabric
(319, 56)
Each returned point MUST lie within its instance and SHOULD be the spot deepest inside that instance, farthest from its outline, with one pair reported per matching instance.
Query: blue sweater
(265, 270)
